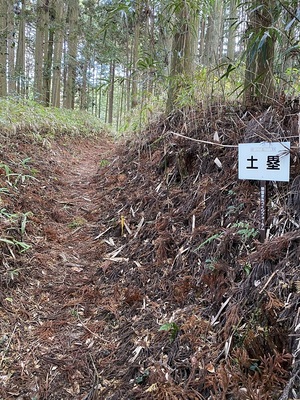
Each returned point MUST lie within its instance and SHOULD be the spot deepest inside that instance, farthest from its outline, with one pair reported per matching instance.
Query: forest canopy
(109, 57)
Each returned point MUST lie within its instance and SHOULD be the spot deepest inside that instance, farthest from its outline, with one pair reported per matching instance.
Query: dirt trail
(49, 353)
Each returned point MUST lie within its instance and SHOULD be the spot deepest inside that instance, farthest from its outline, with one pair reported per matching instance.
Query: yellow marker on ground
(122, 222)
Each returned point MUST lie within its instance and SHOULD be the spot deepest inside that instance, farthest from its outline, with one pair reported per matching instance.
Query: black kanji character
(273, 162)
(252, 159)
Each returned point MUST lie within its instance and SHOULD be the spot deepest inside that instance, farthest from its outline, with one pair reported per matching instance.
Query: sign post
(263, 210)
(266, 161)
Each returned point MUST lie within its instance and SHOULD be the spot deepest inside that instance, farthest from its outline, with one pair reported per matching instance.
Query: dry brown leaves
(163, 237)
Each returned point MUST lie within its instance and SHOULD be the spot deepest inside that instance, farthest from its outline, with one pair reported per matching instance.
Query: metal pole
(263, 210)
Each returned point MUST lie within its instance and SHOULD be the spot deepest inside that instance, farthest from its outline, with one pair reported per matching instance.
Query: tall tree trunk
(212, 53)
(135, 54)
(20, 57)
(3, 47)
(231, 30)
(183, 57)
(111, 92)
(11, 45)
(83, 91)
(100, 92)
(202, 41)
(121, 106)
(128, 75)
(93, 86)
(57, 53)
(150, 23)
(73, 13)
(259, 79)
(65, 69)
(287, 62)
(48, 56)
(39, 56)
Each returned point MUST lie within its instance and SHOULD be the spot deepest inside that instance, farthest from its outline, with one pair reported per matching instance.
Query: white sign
(265, 161)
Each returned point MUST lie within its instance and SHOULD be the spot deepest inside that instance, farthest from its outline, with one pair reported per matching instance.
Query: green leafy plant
(245, 230)
(14, 178)
(6, 214)
(12, 274)
(254, 367)
(234, 209)
(10, 299)
(24, 219)
(13, 217)
(6, 168)
(26, 161)
(77, 222)
(48, 121)
(210, 263)
(141, 378)
(74, 313)
(171, 327)
(103, 163)
(21, 246)
(210, 239)
(247, 268)
(22, 178)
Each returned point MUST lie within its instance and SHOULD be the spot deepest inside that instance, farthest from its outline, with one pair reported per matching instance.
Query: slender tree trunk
(128, 75)
(135, 55)
(106, 105)
(83, 92)
(65, 70)
(100, 93)
(57, 53)
(166, 38)
(151, 45)
(212, 53)
(121, 105)
(259, 79)
(48, 68)
(93, 87)
(286, 62)
(11, 49)
(99, 102)
(42, 11)
(231, 30)
(202, 41)
(183, 57)
(3, 47)
(111, 92)
(48, 51)
(20, 57)
(73, 13)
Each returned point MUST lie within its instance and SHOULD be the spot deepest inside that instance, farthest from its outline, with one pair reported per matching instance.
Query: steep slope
(201, 309)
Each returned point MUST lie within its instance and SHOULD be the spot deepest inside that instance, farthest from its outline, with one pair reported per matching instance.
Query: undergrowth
(26, 116)
(25, 125)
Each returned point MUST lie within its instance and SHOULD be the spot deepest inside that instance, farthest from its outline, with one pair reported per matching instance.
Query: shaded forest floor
(146, 278)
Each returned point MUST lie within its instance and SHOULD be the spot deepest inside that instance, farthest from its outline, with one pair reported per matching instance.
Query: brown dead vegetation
(146, 278)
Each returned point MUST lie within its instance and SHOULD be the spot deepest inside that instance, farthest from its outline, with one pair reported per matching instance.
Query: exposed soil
(48, 298)
(146, 278)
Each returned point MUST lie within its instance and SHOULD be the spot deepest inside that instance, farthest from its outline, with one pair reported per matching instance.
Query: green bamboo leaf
(7, 241)
(229, 69)
(263, 40)
(210, 239)
(289, 25)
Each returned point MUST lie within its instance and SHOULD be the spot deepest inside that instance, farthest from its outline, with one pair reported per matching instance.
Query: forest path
(53, 312)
